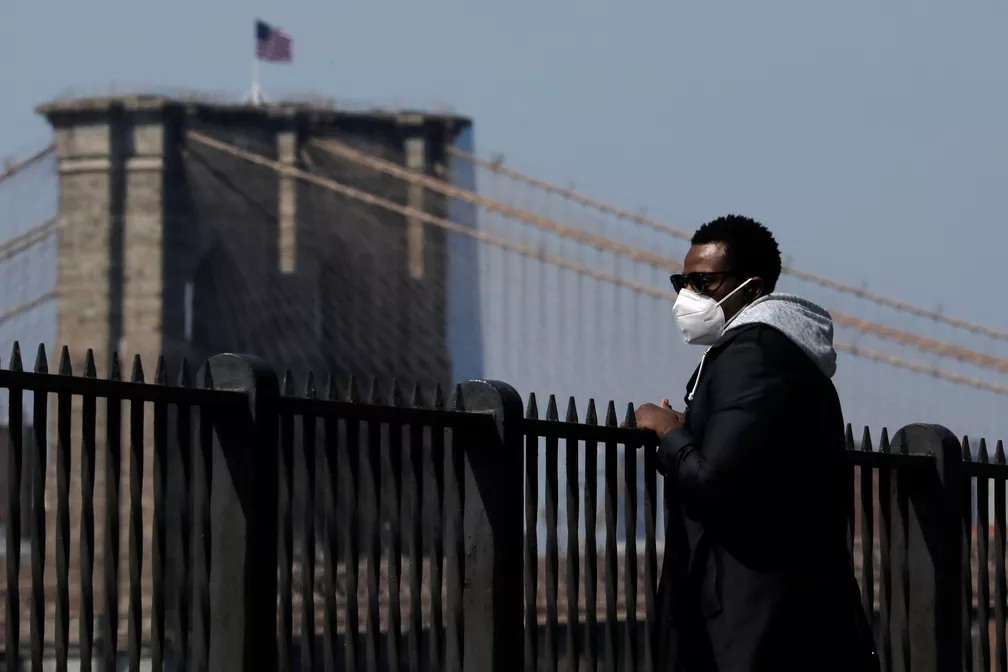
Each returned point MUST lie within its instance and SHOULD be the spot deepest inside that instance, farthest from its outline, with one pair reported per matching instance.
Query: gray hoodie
(809, 326)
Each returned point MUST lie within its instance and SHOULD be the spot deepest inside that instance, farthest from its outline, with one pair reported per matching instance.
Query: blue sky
(871, 137)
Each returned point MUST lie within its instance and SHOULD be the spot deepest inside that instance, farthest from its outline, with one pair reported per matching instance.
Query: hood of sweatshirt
(808, 325)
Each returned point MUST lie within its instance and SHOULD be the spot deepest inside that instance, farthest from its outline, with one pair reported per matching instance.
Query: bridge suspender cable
(654, 224)
(16, 168)
(439, 222)
(602, 243)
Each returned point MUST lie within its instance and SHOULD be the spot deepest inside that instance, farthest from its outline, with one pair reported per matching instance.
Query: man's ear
(756, 288)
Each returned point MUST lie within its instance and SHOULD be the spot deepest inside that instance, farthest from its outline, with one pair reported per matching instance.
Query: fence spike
(572, 415)
(999, 453)
(15, 361)
(396, 396)
(330, 388)
(849, 437)
(41, 365)
(866, 444)
(207, 382)
(532, 413)
(883, 442)
(352, 394)
(287, 386)
(64, 362)
(591, 418)
(184, 377)
(137, 375)
(610, 416)
(375, 393)
(417, 396)
(114, 371)
(90, 370)
(631, 418)
(967, 453)
(160, 375)
(438, 397)
(309, 388)
(551, 409)
(982, 452)
(459, 403)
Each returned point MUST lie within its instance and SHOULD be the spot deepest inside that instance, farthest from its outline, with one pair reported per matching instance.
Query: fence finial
(438, 397)
(418, 401)
(137, 374)
(572, 415)
(532, 412)
(114, 372)
(630, 419)
(41, 365)
(184, 377)
(610, 416)
(551, 409)
(64, 362)
(15, 361)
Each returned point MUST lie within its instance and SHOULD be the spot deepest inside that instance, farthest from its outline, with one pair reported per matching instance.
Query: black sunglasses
(697, 282)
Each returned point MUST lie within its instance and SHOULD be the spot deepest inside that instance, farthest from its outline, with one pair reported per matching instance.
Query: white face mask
(700, 319)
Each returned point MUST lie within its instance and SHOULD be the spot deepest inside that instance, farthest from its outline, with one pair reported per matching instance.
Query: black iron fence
(328, 530)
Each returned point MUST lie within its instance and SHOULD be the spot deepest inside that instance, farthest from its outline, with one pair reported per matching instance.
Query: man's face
(708, 272)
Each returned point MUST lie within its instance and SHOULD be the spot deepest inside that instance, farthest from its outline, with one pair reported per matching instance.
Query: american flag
(272, 44)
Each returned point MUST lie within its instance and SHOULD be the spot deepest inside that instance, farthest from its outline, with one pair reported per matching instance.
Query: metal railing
(322, 530)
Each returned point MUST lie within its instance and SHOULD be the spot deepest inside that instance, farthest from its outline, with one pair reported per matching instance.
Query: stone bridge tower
(168, 247)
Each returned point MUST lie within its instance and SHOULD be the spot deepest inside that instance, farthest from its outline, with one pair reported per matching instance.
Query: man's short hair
(749, 246)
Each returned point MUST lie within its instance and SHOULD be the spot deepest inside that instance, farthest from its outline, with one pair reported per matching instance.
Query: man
(760, 579)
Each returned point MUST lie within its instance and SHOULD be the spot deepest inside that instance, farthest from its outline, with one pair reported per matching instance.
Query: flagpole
(256, 99)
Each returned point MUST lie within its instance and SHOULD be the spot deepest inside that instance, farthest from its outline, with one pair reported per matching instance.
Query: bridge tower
(169, 247)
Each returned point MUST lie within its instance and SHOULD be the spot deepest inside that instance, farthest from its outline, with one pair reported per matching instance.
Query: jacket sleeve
(748, 395)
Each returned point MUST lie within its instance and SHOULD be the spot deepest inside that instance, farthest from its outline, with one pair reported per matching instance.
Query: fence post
(933, 547)
(243, 525)
(492, 515)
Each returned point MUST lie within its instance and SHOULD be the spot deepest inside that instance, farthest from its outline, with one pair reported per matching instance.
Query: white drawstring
(696, 381)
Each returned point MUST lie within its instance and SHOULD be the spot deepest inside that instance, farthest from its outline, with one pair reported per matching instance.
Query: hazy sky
(871, 137)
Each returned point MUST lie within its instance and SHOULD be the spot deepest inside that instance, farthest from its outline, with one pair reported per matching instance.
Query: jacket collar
(719, 345)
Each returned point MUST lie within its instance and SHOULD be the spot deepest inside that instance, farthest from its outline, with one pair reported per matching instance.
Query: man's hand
(659, 419)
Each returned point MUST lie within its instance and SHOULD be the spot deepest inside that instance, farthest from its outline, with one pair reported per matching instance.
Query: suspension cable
(534, 253)
(17, 167)
(587, 201)
(599, 242)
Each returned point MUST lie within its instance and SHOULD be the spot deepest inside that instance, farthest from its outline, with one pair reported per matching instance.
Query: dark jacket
(756, 575)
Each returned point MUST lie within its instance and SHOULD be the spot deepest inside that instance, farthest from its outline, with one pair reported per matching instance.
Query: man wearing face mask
(757, 578)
